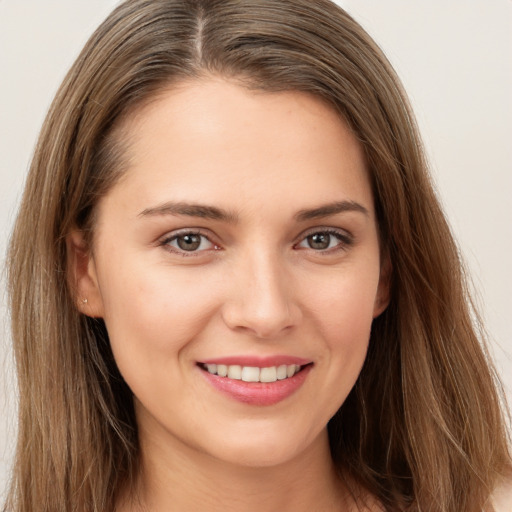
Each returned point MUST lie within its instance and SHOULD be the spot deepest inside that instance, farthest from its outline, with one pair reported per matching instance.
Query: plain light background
(455, 59)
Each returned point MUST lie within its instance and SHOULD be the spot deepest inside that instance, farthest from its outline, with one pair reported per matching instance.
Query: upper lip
(258, 361)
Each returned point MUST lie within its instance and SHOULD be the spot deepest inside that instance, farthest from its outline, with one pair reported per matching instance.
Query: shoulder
(502, 497)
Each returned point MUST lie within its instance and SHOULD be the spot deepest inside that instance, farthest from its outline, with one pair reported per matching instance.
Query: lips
(256, 381)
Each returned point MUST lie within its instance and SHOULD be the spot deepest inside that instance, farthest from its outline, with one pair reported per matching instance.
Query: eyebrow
(215, 213)
(191, 210)
(330, 209)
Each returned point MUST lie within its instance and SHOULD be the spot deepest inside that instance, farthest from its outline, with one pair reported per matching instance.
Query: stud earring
(85, 301)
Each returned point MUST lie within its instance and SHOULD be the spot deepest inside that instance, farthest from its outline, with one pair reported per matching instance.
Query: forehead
(213, 140)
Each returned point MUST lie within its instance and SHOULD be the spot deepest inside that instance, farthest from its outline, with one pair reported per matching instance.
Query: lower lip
(258, 393)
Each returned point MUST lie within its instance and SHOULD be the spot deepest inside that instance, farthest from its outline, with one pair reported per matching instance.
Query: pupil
(189, 242)
(319, 240)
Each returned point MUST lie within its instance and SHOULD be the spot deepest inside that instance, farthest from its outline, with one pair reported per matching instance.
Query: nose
(262, 302)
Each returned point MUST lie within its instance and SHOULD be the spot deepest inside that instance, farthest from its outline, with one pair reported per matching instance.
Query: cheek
(342, 311)
(344, 305)
(151, 313)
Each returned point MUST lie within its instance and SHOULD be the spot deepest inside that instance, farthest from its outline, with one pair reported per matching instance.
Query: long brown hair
(421, 430)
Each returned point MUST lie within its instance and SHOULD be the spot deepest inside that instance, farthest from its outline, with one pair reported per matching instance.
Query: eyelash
(345, 240)
(181, 234)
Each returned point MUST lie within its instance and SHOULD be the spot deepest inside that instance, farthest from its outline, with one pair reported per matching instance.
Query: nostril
(261, 320)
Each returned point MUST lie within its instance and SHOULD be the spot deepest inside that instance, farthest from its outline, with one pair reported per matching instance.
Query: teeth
(281, 372)
(253, 373)
(268, 374)
(235, 372)
(250, 374)
(292, 369)
(212, 368)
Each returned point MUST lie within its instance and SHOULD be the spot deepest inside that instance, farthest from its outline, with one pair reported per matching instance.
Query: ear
(82, 276)
(384, 288)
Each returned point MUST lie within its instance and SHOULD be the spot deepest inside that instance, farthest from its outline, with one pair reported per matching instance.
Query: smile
(253, 373)
(256, 381)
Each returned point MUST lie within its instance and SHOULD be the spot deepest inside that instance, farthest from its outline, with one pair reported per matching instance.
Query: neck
(177, 477)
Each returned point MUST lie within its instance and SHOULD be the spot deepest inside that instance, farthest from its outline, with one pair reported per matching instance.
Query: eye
(326, 240)
(188, 242)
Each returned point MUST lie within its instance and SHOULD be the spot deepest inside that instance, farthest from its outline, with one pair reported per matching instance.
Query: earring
(85, 301)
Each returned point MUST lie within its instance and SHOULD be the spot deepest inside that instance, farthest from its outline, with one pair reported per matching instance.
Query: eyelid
(165, 240)
(346, 239)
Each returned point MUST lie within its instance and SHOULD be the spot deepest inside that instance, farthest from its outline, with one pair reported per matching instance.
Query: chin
(260, 449)
(252, 456)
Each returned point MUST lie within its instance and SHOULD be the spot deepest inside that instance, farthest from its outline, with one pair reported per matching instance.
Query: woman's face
(242, 236)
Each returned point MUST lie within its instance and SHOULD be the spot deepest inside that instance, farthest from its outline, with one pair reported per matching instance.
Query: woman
(232, 285)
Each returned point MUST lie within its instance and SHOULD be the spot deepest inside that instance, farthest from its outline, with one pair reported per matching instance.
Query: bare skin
(193, 483)
(243, 228)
